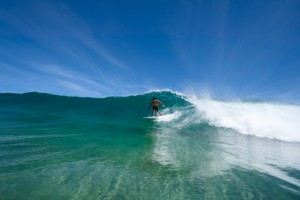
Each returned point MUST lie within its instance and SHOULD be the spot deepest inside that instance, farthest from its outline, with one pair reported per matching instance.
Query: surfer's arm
(149, 107)
(161, 103)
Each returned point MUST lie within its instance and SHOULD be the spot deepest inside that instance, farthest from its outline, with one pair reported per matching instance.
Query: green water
(54, 147)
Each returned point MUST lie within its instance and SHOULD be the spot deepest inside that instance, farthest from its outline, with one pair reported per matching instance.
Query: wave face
(105, 148)
(263, 119)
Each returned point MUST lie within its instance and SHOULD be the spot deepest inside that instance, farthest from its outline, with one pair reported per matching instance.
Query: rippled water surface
(74, 148)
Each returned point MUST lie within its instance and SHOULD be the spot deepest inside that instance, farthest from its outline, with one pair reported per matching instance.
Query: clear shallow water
(55, 147)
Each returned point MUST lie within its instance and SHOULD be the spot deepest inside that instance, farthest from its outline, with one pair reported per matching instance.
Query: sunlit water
(82, 153)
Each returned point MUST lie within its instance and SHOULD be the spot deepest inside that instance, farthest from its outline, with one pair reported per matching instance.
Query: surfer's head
(153, 98)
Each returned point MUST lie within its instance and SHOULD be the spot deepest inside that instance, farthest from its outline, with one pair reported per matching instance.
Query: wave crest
(275, 121)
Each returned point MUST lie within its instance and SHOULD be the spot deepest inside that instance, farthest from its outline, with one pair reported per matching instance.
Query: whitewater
(104, 148)
(275, 121)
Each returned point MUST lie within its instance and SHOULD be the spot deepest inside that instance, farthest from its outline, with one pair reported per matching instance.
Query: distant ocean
(56, 147)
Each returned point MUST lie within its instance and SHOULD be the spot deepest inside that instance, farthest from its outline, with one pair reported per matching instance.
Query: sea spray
(263, 119)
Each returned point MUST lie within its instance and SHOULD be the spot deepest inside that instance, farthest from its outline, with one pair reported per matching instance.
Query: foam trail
(276, 121)
(169, 117)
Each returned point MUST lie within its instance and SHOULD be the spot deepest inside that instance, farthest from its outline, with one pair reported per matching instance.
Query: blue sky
(238, 48)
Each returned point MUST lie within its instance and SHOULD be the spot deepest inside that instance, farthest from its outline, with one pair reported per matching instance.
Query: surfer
(155, 103)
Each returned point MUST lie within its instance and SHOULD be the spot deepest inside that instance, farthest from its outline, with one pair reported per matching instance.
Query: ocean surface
(56, 147)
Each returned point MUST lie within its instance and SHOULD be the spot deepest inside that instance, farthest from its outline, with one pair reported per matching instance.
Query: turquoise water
(54, 147)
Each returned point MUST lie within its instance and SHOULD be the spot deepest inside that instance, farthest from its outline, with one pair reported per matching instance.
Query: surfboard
(150, 118)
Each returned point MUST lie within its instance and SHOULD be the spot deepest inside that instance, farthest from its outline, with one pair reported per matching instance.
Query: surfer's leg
(159, 112)
(155, 108)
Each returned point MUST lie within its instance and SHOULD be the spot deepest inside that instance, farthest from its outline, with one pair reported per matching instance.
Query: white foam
(276, 121)
(169, 117)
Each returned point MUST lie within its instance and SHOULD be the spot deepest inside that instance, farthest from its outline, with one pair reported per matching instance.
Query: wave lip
(262, 119)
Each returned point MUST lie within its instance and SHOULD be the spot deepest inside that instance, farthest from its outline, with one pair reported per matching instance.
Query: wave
(262, 119)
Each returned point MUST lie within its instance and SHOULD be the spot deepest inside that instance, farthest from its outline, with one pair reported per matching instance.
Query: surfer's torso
(155, 103)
